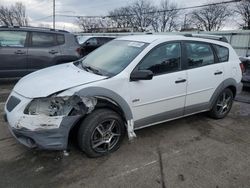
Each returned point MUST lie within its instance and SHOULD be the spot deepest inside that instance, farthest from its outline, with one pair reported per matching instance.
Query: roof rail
(4, 26)
(205, 36)
(42, 28)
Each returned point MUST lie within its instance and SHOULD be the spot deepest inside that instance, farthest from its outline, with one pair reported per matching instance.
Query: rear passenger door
(43, 50)
(204, 73)
(13, 54)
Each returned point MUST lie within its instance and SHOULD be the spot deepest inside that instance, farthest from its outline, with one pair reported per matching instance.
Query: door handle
(218, 72)
(19, 52)
(53, 52)
(180, 81)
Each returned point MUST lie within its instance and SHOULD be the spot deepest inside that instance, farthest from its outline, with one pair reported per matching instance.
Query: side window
(163, 59)
(60, 39)
(222, 53)
(92, 42)
(12, 38)
(40, 39)
(101, 41)
(199, 54)
(106, 39)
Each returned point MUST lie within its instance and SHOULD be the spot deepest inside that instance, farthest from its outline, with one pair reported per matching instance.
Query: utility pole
(54, 16)
(185, 22)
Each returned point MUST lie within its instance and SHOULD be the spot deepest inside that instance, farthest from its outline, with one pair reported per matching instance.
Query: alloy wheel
(224, 103)
(106, 135)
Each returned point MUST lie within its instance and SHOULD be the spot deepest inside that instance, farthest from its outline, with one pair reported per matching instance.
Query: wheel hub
(107, 136)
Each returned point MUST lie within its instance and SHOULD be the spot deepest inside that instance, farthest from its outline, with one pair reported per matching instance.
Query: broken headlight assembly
(60, 106)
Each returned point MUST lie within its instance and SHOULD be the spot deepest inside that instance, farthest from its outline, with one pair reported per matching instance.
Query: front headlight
(52, 106)
(59, 106)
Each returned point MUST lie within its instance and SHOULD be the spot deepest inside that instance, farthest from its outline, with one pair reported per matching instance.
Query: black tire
(222, 105)
(101, 133)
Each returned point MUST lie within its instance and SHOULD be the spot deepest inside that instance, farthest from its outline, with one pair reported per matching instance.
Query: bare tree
(139, 15)
(210, 18)
(166, 20)
(86, 24)
(13, 15)
(19, 14)
(243, 10)
(122, 17)
(143, 14)
(92, 24)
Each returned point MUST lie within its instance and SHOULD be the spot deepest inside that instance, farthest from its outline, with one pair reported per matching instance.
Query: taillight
(242, 67)
(79, 51)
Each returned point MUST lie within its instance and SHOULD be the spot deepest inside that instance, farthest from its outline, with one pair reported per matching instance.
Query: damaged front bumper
(54, 139)
(42, 131)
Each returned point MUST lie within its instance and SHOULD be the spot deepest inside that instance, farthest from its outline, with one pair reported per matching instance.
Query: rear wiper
(87, 67)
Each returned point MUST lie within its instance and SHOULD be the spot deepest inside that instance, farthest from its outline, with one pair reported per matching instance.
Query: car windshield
(113, 57)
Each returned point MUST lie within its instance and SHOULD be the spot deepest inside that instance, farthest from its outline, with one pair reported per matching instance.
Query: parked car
(27, 49)
(90, 43)
(246, 74)
(127, 84)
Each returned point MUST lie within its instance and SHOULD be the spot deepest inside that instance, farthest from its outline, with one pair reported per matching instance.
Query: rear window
(103, 40)
(40, 39)
(222, 53)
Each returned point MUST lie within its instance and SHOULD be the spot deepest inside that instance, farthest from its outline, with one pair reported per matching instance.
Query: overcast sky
(38, 10)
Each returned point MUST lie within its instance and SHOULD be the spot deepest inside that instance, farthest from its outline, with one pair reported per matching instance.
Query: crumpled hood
(54, 79)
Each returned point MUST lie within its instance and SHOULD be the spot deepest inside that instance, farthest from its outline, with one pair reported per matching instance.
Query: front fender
(103, 92)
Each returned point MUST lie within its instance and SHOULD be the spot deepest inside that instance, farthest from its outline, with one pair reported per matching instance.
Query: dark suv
(27, 49)
(246, 74)
(90, 43)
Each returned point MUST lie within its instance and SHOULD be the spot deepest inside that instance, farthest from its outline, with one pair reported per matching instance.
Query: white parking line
(134, 169)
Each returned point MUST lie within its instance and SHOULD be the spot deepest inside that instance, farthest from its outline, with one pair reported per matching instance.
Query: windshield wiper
(95, 71)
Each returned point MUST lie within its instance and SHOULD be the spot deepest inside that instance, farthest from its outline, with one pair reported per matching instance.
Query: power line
(152, 12)
(42, 18)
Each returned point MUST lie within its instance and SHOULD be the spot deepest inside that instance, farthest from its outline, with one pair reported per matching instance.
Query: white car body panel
(50, 80)
(199, 87)
(161, 94)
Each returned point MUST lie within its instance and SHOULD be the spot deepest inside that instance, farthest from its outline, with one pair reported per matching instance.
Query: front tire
(222, 105)
(101, 133)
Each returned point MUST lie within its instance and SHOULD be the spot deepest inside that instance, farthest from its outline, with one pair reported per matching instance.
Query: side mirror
(141, 75)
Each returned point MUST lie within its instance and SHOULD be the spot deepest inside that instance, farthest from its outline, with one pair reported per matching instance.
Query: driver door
(162, 97)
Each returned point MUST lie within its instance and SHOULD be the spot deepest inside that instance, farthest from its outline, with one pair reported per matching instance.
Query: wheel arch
(228, 83)
(107, 98)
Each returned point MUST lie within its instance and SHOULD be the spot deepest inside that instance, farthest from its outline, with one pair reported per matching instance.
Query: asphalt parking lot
(191, 152)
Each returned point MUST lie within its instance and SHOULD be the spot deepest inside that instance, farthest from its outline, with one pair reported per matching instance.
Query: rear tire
(223, 104)
(101, 133)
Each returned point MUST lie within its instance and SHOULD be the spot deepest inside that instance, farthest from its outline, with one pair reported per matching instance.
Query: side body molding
(103, 92)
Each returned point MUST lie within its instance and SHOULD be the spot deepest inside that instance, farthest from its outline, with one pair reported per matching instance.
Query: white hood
(53, 79)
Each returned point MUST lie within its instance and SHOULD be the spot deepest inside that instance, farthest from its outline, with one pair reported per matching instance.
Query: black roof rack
(32, 27)
(212, 37)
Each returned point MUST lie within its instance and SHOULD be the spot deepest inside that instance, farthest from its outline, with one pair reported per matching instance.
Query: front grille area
(12, 103)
